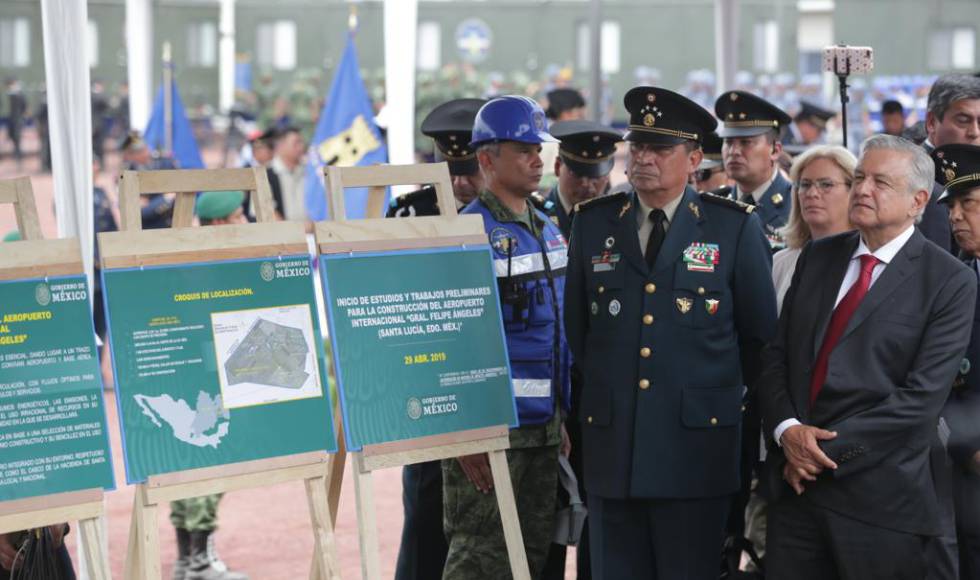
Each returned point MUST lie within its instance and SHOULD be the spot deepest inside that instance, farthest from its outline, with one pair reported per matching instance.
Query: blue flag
(345, 136)
(185, 152)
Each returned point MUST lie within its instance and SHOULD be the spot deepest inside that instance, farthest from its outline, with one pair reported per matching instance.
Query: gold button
(602, 289)
(645, 352)
(648, 319)
(644, 384)
(650, 288)
(700, 290)
(589, 419)
(714, 420)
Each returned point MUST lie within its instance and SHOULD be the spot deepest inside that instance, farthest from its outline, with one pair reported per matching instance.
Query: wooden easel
(36, 257)
(131, 247)
(374, 235)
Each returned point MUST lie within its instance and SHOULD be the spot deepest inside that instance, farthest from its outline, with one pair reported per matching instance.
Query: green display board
(217, 363)
(418, 343)
(53, 434)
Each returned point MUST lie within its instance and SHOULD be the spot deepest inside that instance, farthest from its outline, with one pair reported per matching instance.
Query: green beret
(12, 236)
(215, 205)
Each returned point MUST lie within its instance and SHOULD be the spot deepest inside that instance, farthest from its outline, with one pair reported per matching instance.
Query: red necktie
(838, 322)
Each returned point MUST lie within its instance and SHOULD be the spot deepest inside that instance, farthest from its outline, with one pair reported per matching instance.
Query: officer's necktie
(656, 239)
(747, 198)
(838, 322)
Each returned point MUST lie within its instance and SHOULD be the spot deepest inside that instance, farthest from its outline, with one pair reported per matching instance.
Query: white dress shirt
(885, 255)
(759, 191)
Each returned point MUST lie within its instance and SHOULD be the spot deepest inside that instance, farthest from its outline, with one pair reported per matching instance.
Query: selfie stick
(842, 77)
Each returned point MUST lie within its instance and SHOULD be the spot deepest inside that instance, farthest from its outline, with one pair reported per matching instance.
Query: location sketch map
(265, 355)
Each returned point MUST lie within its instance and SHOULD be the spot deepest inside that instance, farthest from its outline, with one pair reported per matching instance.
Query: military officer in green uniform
(422, 553)
(195, 519)
(750, 129)
(450, 125)
(668, 303)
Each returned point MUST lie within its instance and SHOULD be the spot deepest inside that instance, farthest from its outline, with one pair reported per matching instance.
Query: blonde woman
(821, 179)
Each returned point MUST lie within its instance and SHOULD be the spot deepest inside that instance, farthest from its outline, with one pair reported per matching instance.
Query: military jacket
(773, 208)
(666, 353)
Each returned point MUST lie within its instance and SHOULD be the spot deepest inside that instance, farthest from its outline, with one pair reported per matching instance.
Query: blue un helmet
(511, 118)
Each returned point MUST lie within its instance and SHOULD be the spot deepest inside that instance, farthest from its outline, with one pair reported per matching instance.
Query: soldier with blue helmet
(449, 125)
(750, 131)
(422, 553)
(668, 302)
(529, 259)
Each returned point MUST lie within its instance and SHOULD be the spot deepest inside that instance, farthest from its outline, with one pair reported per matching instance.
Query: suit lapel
(828, 294)
(684, 229)
(900, 268)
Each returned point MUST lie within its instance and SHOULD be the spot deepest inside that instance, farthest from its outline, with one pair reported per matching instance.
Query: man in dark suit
(958, 169)
(668, 302)
(952, 116)
(872, 332)
(750, 130)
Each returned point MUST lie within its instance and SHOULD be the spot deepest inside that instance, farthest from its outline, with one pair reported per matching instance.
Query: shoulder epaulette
(727, 202)
(723, 191)
(601, 200)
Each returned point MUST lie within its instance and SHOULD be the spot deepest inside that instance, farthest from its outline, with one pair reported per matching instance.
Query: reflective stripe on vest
(532, 387)
(530, 263)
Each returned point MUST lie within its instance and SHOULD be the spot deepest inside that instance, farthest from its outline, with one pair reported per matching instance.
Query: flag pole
(168, 100)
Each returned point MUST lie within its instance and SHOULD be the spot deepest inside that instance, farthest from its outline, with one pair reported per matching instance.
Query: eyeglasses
(705, 174)
(822, 185)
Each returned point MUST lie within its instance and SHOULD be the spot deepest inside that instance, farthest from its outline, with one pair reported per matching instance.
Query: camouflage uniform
(471, 519)
(196, 514)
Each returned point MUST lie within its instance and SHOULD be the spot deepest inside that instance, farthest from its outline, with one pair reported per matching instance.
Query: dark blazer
(887, 379)
(665, 352)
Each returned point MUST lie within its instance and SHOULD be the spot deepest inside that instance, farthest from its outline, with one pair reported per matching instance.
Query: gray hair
(921, 172)
(491, 147)
(951, 88)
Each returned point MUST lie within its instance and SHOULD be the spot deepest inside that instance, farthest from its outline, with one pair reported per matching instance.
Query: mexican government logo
(414, 409)
(267, 271)
(42, 294)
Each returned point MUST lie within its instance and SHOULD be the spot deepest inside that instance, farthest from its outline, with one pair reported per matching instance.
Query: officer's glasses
(822, 185)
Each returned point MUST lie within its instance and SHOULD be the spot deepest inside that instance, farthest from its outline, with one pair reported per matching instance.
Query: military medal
(605, 262)
(595, 308)
(614, 307)
(610, 242)
(711, 305)
(701, 257)
(964, 366)
(684, 304)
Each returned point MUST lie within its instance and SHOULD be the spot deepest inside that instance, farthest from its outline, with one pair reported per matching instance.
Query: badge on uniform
(595, 308)
(502, 241)
(711, 305)
(684, 304)
(605, 262)
(701, 257)
(614, 307)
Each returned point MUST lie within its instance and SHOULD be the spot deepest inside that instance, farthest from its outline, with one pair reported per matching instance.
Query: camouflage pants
(195, 514)
(472, 521)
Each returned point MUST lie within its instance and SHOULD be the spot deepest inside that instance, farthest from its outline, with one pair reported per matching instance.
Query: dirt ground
(264, 532)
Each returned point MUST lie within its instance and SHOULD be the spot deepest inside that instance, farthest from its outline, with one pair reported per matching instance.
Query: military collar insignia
(777, 199)
(626, 207)
(694, 209)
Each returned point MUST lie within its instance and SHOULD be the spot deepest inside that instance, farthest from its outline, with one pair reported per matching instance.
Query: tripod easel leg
(508, 515)
(98, 568)
(366, 522)
(325, 565)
